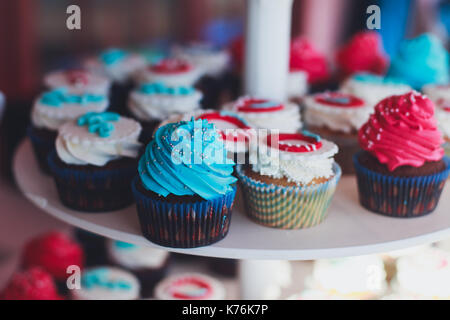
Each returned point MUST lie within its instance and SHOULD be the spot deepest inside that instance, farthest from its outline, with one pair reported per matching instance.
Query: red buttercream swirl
(53, 252)
(364, 52)
(403, 132)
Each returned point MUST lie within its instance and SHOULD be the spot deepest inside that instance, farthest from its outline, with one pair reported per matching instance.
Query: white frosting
(166, 288)
(102, 293)
(76, 145)
(425, 275)
(160, 106)
(297, 84)
(301, 168)
(312, 294)
(120, 71)
(361, 277)
(286, 120)
(50, 117)
(444, 245)
(439, 94)
(187, 78)
(209, 62)
(137, 257)
(373, 93)
(96, 83)
(336, 118)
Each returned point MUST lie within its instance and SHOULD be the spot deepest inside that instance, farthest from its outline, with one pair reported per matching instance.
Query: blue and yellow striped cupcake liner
(293, 207)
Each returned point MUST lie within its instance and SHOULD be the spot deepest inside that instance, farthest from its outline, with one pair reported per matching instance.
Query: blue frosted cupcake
(95, 161)
(185, 188)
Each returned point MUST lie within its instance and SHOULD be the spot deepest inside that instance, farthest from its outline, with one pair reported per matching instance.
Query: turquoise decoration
(100, 278)
(57, 97)
(187, 158)
(376, 79)
(420, 61)
(124, 245)
(99, 122)
(161, 88)
(112, 56)
(309, 134)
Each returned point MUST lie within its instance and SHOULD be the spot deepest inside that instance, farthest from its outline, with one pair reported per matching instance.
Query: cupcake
(373, 88)
(149, 265)
(51, 110)
(172, 72)
(213, 65)
(54, 252)
(107, 283)
(440, 95)
(290, 181)
(402, 169)
(363, 53)
(424, 276)
(95, 161)
(428, 57)
(185, 188)
(151, 103)
(31, 284)
(337, 117)
(77, 82)
(190, 286)
(119, 66)
(266, 114)
(360, 278)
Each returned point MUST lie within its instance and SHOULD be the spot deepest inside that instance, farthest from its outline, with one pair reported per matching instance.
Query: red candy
(363, 52)
(171, 66)
(303, 56)
(53, 252)
(33, 284)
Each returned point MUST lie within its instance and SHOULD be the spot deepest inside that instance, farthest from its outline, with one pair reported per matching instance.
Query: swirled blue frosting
(187, 158)
(112, 56)
(161, 88)
(57, 97)
(376, 79)
(420, 61)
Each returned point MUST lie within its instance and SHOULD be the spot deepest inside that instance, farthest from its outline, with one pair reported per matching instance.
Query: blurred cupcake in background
(362, 53)
(51, 110)
(267, 114)
(421, 61)
(32, 284)
(337, 117)
(119, 66)
(78, 82)
(373, 88)
(361, 277)
(148, 264)
(190, 286)
(151, 103)
(107, 283)
(95, 161)
(440, 95)
(402, 170)
(316, 294)
(290, 181)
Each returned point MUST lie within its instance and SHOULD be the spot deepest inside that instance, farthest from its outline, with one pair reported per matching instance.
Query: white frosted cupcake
(373, 88)
(361, 277)
(77, 81)
(106, 283)
(190, 286)
(171, 72)
(425, 275)
(266, 114)
(95, 161)
(297, 84)
(51, 110)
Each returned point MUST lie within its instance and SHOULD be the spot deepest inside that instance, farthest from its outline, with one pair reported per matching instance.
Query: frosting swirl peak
(403, 131)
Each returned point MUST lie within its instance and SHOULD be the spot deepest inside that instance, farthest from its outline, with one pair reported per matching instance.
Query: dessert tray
(349, 229)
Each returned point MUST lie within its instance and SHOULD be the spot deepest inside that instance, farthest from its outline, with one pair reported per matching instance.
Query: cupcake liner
(403, 197)
(93, 190)
(292, 207)
(41, 148)
(183, 224)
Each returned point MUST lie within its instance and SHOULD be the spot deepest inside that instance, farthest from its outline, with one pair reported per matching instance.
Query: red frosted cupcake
(33, 284)
(402, 170)
(53, 252)
(364, 52)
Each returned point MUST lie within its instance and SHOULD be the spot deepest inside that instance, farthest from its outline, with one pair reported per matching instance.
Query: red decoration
(339, 99)
(171, 66)
(313, 143)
